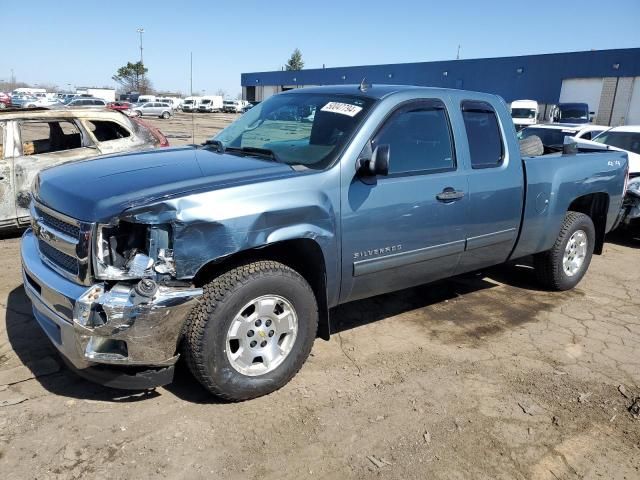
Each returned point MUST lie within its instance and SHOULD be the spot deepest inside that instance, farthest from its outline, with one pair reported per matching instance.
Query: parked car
(154, 109)
(38, 139)
(627, 139)
(249, 106)
(210, 103)
(43, 102)
(571, 113)
(85, 102)
(5, 100)
(119, 106)
(238, 249)
(524, 113)
(553, 135)
(19, 100)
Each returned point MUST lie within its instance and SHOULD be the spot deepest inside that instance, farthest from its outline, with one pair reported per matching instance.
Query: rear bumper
(110, 335)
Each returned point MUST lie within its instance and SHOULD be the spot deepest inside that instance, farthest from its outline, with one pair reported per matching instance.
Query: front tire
(252, 331)
(563, 266)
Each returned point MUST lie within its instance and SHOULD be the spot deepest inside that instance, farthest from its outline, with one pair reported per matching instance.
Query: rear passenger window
(483, 133)
(420, 139)
(48, 137)
(105, 130)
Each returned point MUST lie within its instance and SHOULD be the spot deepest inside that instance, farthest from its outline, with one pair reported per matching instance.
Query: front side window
(629, 141)
(105, 130)
(303, 128)
(419, 137)
(483, 134)
(48, 137)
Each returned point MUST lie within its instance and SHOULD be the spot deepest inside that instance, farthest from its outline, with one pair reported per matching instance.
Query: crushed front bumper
(110, 334)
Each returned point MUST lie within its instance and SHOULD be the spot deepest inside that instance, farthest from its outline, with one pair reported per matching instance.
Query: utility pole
(457, 55)
(141, 31)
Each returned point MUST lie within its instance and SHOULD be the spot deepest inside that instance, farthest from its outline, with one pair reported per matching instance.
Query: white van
(234, 106)
(210, 103)
(191, 104)
(173, 102)
(524, 113)
(146, 98)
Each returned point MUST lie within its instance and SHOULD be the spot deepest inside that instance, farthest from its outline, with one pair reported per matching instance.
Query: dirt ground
(483, 376)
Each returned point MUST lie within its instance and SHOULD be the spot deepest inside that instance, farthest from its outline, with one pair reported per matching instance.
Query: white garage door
(633, 118)
(583, 90)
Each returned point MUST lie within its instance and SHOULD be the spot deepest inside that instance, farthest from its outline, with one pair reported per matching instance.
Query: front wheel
(252, 331)
(563, 266)
(137, 113)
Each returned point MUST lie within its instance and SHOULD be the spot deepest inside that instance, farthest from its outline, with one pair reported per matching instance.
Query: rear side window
(48, 137)
(483, 133)
(419, 137)
(105, 130)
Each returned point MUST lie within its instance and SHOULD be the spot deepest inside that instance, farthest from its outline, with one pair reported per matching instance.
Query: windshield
(629, 141)
(548, 136)
(575, 113)
(206, 101)
(227, 102)
(304, 128)
(523, 113)
(188, 102)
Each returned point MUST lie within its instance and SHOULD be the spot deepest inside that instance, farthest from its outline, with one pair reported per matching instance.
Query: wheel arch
(303, 255)
(596, 207)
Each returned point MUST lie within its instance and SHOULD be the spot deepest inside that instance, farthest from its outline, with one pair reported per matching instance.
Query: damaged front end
(631, 204)
(127, 310)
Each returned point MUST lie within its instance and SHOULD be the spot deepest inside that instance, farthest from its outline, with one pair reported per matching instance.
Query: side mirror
(378, 164)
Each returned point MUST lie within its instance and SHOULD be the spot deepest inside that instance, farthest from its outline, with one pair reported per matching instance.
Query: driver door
(408, 227)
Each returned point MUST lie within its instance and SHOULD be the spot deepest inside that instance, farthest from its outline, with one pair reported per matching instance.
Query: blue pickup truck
(232, 253)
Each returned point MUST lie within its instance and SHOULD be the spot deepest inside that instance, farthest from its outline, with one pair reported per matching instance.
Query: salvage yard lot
(482, 376)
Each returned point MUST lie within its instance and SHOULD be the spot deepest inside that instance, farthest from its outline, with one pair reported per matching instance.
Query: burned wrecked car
(31, 140)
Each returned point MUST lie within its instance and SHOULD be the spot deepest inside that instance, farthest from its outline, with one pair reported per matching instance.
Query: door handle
(449, 195)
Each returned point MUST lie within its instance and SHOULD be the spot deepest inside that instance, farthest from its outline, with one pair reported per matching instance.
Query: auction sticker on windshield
(342, 108)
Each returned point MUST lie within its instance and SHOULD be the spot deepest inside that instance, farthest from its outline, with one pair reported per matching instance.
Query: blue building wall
(537, 77)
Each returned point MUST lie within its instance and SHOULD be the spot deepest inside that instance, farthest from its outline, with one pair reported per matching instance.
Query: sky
(82, 43)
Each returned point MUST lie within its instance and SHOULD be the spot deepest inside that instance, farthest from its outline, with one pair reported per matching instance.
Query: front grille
(56, 223)
(58, 258)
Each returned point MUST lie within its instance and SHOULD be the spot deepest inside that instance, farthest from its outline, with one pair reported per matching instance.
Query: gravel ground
(482, 376)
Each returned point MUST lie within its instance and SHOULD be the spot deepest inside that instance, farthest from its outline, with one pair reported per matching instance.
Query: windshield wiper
(219, 146)
(262, 152)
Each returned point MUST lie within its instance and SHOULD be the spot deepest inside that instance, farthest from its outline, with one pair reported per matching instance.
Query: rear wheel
(563, 266)
(252, 331)
(165, 115)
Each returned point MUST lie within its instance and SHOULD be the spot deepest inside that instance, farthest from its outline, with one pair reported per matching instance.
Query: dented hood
(96, 190)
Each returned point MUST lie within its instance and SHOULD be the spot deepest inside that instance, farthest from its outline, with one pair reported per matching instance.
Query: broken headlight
(633, 187)
(130, 251)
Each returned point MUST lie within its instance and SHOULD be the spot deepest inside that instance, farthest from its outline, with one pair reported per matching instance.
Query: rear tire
(165, 115)
(563, 266)
(233, 343)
